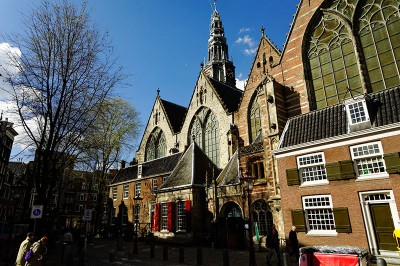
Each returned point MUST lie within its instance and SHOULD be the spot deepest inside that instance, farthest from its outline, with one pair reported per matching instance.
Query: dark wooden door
(383, 226)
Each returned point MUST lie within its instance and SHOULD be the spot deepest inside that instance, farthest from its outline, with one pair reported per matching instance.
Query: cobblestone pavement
(98, 253)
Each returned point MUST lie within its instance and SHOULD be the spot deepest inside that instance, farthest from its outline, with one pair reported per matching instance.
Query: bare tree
(65, 72)
(110, 137)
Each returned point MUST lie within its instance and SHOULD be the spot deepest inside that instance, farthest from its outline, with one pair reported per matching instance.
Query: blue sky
(161, 43)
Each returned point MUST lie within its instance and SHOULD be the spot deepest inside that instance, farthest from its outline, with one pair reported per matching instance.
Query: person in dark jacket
(294, 243)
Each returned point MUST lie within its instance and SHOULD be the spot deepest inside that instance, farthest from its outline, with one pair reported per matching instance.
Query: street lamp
(248, 182)
(136, 210)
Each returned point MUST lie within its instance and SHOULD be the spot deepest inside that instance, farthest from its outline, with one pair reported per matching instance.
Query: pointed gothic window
(335, 52)
(205, 130)
(380, 39)
(211, 145)
(156, 145)
(254, 119)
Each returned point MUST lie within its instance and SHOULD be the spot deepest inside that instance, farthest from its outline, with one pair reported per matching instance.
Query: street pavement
(99, 251)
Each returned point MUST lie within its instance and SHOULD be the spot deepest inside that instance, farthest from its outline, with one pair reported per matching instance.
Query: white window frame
(323, 207)
(357, 120)
(114, 191)
(314, 167)
(126, 190)
(378, 156)
(154, 185)
(138, 189)
(83, 185)
(181, 216)
(164, 216)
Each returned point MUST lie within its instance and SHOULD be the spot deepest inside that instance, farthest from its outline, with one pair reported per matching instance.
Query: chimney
(123, 164)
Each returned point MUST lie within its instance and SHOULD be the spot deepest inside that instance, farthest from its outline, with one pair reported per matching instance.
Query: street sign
(87, 215)
(37, 211)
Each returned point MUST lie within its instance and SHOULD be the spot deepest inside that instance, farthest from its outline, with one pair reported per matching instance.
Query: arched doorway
(231, 226)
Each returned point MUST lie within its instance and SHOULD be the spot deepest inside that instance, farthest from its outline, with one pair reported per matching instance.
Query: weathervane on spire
(262, 31)
(158, 91)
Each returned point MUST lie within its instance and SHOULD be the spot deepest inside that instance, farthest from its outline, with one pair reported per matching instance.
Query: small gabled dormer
(357, 113)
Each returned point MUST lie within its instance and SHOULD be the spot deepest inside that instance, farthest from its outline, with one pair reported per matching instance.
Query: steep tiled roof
(176, 114)
(157, 167)
(383, 109)
(230, 174)
(191, 169)
(229, 95)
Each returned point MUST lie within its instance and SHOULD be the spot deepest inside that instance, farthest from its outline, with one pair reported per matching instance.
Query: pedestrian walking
(39, 249)
(294, 242)
(273, 246)
(67, 242)
(24, 248)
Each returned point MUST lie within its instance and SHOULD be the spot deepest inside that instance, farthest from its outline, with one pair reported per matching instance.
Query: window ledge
(372, 177)
(322, 233)
(314, 183)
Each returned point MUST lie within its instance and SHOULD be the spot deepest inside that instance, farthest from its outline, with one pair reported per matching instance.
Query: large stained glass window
(204, 130)
(156, 145)
(254, 119)
(337, 51)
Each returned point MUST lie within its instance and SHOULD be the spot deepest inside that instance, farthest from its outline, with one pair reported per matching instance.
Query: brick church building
(316, 128)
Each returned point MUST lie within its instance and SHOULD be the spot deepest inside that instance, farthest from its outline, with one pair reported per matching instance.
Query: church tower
(218, 65)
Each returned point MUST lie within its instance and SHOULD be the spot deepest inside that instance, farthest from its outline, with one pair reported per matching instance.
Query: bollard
(165, 252)
(380, 262)
(111, 256)
(225, 257)
(199, 256)
(152, 250)
(181, 255)
(285, 259)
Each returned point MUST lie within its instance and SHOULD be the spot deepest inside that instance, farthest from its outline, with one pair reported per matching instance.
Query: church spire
(218, 65)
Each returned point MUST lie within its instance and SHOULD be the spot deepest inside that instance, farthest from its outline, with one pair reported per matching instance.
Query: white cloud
(7, 106)
(248, 41)
(245, 40)
(244, 30)
(250, 51)
(240, 84)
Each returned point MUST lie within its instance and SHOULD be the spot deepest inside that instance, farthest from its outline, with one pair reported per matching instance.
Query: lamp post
(136, 210)
(248, 182)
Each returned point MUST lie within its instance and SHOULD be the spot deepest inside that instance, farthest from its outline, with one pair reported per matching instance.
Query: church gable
(266, 58)
(158, 140)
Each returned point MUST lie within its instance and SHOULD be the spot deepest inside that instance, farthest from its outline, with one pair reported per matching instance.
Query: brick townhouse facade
(338, 157)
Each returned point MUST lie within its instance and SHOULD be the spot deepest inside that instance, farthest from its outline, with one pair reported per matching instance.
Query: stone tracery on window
(205, 131)
(156, 145)
(336, 50)
(254, 120)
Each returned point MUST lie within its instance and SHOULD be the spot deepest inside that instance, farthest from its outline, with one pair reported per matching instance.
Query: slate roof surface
(160, 166)
(176, 114)
(191, 169)
(229, 95)
(230, 174)
(17, 168)
(383, 108)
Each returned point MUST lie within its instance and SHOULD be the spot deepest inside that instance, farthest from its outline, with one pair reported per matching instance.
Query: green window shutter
(392, 161)
(333, 171)
(347, 170)
(292, 176)
(342, 220)
(298, 220)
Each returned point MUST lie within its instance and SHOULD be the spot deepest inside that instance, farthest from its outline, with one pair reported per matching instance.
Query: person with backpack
(24, 248)
(38, 250)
